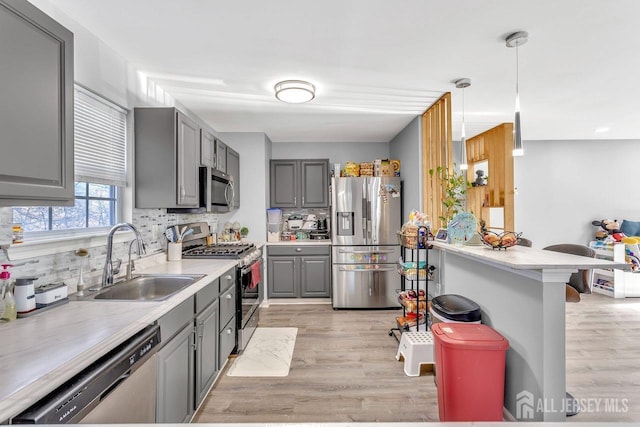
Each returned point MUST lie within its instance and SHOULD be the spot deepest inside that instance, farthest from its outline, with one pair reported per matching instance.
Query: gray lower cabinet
(176, 379)
(196, 337)
(206, 346)
(315, 280)
(167, 158)
(282, 276)
(299, 183)
(36, 117)
(299, 272)
(227, 332)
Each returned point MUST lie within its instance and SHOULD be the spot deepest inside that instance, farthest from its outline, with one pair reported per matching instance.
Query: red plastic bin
(470, 365)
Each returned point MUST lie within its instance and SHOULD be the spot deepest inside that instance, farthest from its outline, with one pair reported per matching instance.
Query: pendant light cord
(517, 70)
(463, 107)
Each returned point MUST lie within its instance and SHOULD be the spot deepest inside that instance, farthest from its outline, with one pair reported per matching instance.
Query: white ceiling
(379, 63)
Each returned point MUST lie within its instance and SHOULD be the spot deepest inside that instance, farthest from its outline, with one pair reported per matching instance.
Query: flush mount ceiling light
(295, 91)
(462, 84)
(515, 40)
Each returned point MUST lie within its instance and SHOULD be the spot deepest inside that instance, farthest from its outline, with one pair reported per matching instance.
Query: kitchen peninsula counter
(521, 292)
(41, 352)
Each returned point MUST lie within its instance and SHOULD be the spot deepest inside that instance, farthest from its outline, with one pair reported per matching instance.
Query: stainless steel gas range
(249, 275)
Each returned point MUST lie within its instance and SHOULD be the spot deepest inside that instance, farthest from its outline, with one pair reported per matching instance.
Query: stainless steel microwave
(216, 193)
(222, 191)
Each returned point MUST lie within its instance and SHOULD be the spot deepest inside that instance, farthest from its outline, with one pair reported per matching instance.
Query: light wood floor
(344, 369)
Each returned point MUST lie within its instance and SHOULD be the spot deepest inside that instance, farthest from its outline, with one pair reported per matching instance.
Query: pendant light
(516, 40)
(462, 84)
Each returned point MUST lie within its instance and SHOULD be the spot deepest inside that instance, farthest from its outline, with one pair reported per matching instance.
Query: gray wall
(563, 185)
(253, 148)
(406, 147)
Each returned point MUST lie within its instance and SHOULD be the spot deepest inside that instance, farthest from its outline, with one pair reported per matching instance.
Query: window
(100, 169)
(95, 206)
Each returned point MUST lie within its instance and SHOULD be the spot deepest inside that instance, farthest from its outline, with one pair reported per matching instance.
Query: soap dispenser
(8, 304)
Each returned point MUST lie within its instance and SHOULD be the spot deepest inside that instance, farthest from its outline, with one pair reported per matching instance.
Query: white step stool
(417, 349)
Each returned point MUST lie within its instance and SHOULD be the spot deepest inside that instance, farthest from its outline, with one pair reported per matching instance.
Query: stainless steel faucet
(107, 273)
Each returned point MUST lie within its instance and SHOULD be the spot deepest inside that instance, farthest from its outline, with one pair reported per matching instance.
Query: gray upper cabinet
(221, 156)
(36, 113)
(188, 155)
(207, 148)
(314, 178)
(233, 169)
(283, 187)
(299, 183)
(167, 156)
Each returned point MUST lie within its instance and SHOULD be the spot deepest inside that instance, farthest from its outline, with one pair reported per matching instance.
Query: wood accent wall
(495, 146)
(437, 150)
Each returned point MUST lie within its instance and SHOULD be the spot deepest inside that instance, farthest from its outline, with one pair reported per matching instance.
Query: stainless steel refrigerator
(365, 216)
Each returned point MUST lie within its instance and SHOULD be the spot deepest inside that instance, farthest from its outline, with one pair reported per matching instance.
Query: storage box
(51, 293)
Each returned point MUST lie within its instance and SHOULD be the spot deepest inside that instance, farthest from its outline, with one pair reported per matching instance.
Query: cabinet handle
(194, 345)
(200, 329)
(182, 192)
(227, 277)
(302, 200)
(229, 331)
(295, 200)
(298, 249)
(228, 296)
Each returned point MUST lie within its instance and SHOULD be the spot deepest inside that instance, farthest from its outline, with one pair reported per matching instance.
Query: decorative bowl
(500, 241)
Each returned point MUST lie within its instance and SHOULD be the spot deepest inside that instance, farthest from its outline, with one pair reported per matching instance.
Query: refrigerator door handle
(366, 270)
(365, 213)
(369, 234)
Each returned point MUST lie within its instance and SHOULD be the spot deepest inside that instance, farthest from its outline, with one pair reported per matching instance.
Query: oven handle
(247, 269)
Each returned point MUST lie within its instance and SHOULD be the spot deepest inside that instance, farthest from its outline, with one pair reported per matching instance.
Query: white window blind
(100, 139)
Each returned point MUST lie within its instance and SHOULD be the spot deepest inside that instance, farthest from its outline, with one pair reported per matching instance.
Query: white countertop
(41, 352)
(525, 258)
(305, 242)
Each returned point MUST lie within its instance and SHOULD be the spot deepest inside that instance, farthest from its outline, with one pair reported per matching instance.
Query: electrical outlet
(154, 231)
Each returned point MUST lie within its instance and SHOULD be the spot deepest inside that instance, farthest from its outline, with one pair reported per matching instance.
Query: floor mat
(268, 354)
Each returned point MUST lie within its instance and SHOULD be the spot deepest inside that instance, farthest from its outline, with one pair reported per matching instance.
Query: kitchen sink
(147, 287)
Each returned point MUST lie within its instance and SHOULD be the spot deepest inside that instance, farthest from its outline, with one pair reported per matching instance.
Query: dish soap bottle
(8, 304)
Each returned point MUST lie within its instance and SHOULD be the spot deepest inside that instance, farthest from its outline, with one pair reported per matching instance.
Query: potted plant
(455, 186)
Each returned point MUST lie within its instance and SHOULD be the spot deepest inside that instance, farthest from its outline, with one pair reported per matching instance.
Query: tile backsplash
(64, 266)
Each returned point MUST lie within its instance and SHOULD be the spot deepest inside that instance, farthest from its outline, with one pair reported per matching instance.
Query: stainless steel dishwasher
(120, 387)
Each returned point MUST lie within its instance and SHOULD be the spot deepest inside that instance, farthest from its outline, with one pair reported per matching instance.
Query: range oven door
(248, 301)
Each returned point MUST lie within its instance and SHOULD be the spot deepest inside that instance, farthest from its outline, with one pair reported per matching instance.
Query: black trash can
(454, 308)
